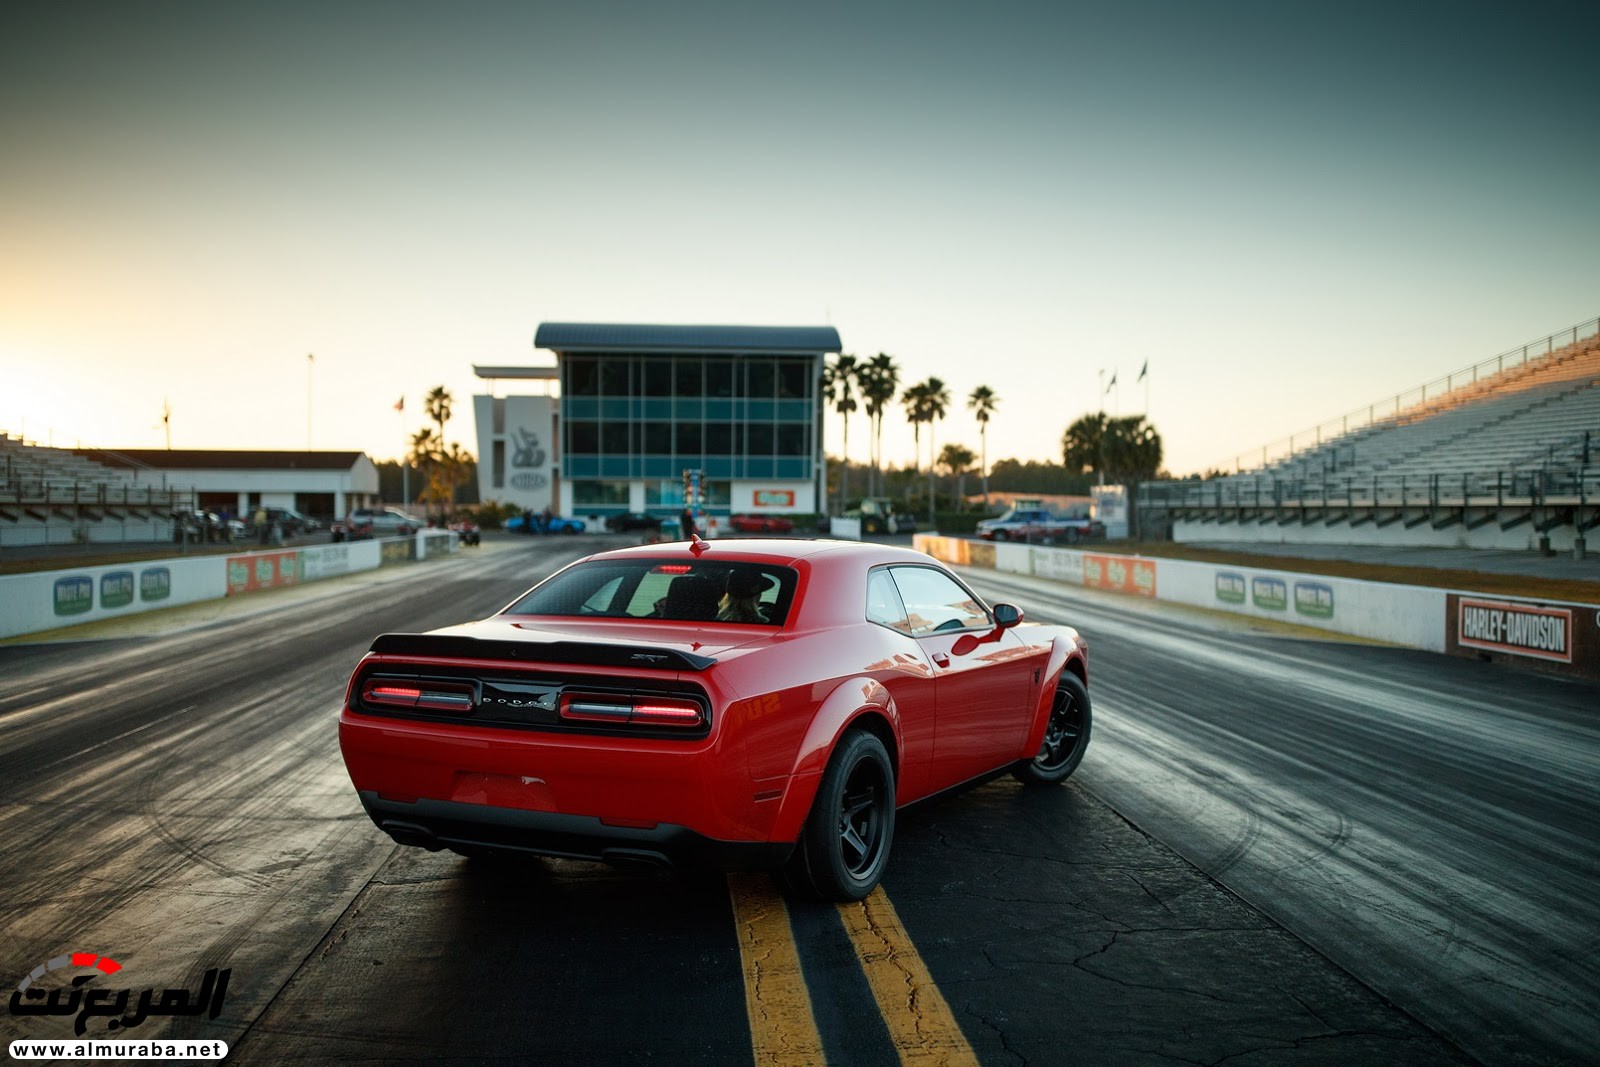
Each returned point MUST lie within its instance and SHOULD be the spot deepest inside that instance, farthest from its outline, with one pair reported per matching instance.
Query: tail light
(631, 711)
(417, 694)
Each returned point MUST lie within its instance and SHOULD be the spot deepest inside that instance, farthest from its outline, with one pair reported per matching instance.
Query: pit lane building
(625, 409)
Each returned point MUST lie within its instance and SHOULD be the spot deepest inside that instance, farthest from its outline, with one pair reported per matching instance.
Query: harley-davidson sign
(1536, 630)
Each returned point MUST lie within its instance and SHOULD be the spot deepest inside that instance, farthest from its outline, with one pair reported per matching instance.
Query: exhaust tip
(407, 833)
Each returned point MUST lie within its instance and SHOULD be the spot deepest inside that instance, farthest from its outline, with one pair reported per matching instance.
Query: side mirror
(1005, 617)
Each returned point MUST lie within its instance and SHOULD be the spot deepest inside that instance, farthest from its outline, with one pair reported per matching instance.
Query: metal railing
(1498, 488)
(1386, 411)
(57, 511)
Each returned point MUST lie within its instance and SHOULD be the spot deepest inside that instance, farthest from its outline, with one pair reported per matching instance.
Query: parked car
(760, 523)
(196, 527)
(608, 714)
(632, 520)
(1039, 524)
(364, 523)
(466, 530)
(544, 524)
(291, 522)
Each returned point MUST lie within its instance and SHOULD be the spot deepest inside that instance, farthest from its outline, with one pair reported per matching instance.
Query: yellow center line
(919, 1019)
(783, 1032)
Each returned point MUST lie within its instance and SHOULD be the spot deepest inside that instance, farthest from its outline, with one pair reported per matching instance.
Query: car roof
(785, 551)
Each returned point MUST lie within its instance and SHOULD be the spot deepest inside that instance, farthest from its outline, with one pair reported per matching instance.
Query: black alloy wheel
(844, 847)
(1066, 735)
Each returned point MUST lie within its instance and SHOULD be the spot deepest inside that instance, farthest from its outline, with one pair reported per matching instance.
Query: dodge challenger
(750, 704)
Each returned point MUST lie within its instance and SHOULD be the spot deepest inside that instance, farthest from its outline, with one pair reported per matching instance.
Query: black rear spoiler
(452, 646)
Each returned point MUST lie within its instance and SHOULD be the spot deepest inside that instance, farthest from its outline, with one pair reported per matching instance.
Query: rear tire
(1066, 735)
(844, 846)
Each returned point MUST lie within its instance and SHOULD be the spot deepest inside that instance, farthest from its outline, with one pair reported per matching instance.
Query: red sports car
(755, 704)
(760, 524)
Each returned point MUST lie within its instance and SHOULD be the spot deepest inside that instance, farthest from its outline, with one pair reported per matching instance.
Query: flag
(1142, 371)
(400, 405)
(1113, 383)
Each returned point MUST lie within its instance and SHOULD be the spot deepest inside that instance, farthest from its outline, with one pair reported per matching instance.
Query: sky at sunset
(1285, 211)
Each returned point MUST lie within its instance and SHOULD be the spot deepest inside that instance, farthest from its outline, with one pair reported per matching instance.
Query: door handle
(941, 660)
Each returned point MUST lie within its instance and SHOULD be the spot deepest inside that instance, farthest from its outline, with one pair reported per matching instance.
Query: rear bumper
(437, 824)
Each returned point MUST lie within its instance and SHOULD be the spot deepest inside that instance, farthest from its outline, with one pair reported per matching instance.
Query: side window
(600, 602)
(936, 603)
(883, 602)
(651, 590)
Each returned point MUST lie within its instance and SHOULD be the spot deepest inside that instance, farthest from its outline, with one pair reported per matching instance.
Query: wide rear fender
(859, 701)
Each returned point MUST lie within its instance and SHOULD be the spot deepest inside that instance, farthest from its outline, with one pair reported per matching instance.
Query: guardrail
(1383, 411)
(1500, 487)
(47, 511)
(67, 491)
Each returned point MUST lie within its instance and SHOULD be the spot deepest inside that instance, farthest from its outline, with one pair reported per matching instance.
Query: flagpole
(311, 361)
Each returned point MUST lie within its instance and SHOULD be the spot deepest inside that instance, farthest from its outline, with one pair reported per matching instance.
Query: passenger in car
(741, 602)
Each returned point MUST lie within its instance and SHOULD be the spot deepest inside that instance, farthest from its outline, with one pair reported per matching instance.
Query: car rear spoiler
(452, 646)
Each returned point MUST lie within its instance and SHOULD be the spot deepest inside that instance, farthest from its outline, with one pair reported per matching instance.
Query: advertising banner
(262, 570)
(1120, 574)
(1552, 633)
(397, 550)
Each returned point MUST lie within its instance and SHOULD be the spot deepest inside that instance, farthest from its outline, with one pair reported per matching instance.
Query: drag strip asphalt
(178, 801)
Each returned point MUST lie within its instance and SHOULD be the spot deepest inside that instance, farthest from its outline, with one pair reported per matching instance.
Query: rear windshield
(755, 594)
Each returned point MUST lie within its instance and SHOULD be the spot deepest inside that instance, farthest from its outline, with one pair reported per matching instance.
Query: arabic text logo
(112, 1004)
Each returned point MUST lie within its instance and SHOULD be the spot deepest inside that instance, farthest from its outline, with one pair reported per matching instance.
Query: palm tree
(878, 379)
(451, 473)
(437, 405)
(915, 401)
(1119, 450)
(424, 455)
(956, 461)
(1083, 445)
(982, 403)
(936, 402)
(837, 378)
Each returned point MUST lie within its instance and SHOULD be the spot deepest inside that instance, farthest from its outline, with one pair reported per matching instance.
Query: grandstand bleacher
(55, 496)
(1508, 458)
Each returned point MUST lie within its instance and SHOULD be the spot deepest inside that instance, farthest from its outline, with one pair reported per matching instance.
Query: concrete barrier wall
(1561, 636)
(50, 600)
(1400, 614)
